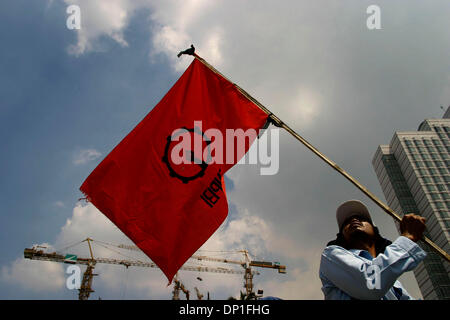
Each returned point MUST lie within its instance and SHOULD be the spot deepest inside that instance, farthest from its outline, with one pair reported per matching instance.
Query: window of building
(411, 149)
(440, 149)
(431, 188)
(429, 164)
(444, 214)
(396, 177)
(436, 179)
(443, 136)
(408, 201)
(438, 163)
(440, 205)
(435, 196)
(423, 172)
(441, 187)
(442, 171)
(426, 179)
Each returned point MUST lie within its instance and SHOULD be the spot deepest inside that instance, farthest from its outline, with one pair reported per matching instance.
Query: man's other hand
(412, 226)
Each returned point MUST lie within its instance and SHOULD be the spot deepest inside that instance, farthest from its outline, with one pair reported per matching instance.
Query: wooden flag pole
(277, 122)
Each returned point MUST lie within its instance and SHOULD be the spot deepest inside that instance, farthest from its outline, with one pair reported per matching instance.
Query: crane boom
(33, 254)
(200, 258)
(254, 263)
(247, 264)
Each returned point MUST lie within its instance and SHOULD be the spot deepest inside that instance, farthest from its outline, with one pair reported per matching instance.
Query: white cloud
(246, 232)
(33, 275)
(224, 34)
(305, 107)
(101, 18)
(85, 155)
(58, 204)
(172, 31)
(168, 40)
(301, 285)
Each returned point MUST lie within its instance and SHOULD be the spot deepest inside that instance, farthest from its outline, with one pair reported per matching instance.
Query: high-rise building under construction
(413, 171)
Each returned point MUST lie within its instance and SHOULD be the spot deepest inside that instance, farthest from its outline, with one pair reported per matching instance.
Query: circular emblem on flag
(192, 166)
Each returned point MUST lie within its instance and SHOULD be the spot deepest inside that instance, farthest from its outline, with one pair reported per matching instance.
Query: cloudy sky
(67, 97)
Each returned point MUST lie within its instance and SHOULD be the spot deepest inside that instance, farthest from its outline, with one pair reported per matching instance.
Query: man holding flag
(360, 264)
(167, 194)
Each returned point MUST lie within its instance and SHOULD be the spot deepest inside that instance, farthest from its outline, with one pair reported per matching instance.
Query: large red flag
(167, 208)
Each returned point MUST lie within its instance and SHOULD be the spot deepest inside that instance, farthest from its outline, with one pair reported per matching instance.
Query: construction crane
(85, 290)
(246, 264)
(199, 295)
(178, 285)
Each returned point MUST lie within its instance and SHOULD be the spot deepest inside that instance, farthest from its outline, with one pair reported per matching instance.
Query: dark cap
(351, 208)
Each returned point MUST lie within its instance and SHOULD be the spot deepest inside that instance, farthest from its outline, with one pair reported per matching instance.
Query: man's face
(357, 226)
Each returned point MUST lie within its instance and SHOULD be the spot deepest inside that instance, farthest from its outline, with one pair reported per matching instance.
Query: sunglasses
(357, 217)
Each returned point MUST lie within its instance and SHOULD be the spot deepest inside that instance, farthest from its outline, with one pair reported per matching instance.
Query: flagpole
(279, 123)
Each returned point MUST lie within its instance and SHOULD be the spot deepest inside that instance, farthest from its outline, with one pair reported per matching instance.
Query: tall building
(413, 171)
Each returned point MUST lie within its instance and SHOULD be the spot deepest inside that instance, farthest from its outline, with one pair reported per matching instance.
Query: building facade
(413, 171)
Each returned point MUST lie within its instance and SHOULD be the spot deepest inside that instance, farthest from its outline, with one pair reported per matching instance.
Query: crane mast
(86, 283)
(178, 285)
(199, 295)
(247, 264)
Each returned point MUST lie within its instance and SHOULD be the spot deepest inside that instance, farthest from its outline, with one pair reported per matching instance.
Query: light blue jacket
(347, 274)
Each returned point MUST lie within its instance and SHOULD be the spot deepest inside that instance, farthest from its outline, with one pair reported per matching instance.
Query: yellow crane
(199, 295)
(247, 264)
(178, 285)
(36, 253)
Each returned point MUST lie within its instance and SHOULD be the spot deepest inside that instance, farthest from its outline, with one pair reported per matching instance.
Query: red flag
(169, 209)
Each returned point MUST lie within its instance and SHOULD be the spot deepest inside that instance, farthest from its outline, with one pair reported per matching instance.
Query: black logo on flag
(194, 167)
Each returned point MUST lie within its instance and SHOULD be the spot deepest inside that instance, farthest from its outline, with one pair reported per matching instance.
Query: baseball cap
(351, 208)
